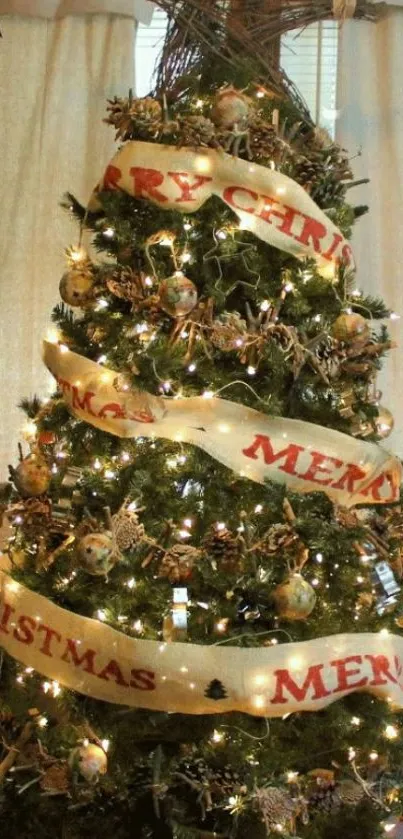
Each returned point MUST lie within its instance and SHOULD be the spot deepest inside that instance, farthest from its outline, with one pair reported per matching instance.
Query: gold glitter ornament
(384, 422)
(294, 598)
(177, 295)
(351, 328)
(97, 553)
(76, 288)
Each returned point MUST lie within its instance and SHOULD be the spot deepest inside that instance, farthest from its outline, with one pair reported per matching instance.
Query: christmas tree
(200, 622)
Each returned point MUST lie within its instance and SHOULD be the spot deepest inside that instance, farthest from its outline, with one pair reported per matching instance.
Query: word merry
(322, 466)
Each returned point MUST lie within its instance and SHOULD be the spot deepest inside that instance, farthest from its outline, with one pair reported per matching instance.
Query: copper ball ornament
(351, 328)
(295, 598)
(177, 295)
(384, 422)
(76, 288)
(89, 761)
(32, 476)
(97, 553)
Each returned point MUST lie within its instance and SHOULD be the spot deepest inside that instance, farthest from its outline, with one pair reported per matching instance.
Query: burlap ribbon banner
(304, 456)
(274, 207)
(92, 658)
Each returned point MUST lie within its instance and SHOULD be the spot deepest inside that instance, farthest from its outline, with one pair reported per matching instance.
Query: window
(309, 58)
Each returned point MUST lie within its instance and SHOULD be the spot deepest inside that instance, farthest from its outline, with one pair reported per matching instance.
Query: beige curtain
(54, 79)
(370, 106)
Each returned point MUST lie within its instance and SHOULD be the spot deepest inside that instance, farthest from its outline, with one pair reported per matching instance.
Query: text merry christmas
(94, 659)
(273, 206)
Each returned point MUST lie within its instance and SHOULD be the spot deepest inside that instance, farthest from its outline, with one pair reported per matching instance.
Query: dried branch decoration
(199, 26)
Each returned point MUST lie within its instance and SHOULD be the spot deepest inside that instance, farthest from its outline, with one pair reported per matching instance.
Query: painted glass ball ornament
(32, 476)
(294, 598)
(76, 288)
(97, 553)
(89, 761)
(177, 295)
(231, 109)
(351, 328)
(384, 422)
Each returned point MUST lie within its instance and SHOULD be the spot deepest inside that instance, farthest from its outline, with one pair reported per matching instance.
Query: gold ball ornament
(295, 598)
(32, 476)
(177, 295)
(89, 761)
(351, 328)
(76, 288)
(97, 553)
(231, 109)
(384, 422)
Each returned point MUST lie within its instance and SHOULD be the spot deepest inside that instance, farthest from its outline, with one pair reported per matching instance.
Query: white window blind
(309, 58)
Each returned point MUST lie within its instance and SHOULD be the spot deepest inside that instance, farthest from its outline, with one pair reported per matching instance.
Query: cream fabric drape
(370, 105)
(55, 77)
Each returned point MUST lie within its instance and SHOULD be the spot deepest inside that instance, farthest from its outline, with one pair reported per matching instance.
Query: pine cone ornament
(196, 131)
(225, 549)
(264, 141)
(56, 779)
(277, 537)
(276, 807)
(126, 528)
(126, 284)
(228, 333)
(308, 172)
(331, 356)
(134, 118)
(350, 792)
(177, 563)
(325, 798)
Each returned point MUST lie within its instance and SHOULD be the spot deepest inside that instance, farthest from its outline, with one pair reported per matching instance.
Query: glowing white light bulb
(109, 232)
(258, 508)
(131, 583)
(391, 732)
(221, 234)
(355, 721)
(260, 94)
(217, 736)
(251, 371)
(138, 625)
(192, 367)
(208, 394)
(265, 305)
(105, 745)
(42, 722)
(97, 463)
(101, 615)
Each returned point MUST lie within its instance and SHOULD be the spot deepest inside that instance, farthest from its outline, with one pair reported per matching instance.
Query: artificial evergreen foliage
(176, 776)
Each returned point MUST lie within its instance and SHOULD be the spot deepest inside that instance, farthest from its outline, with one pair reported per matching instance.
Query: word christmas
(306, 457)
(271, 205)
(94, 659)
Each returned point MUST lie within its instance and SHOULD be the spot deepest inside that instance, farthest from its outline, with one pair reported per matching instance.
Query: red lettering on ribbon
(113, 408)
(344, 675)
(373, 488)
(283, 212)
(111, 177)
(86, 659)
(142, 680)
(347, 481)
(337, 238)
(186, 188)
(49, 635)
(24, 630)
(228, 196)
(381, 669)
(83, 404)
(7, 612)
(146, 182)
(312, 233)
(290, 453)
(313, 680)
(317, 465)
(113, 671)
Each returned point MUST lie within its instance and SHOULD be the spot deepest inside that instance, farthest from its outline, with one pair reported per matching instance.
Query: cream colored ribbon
(269, 204)
(343, 9)
(87, 656)
(303, 456)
